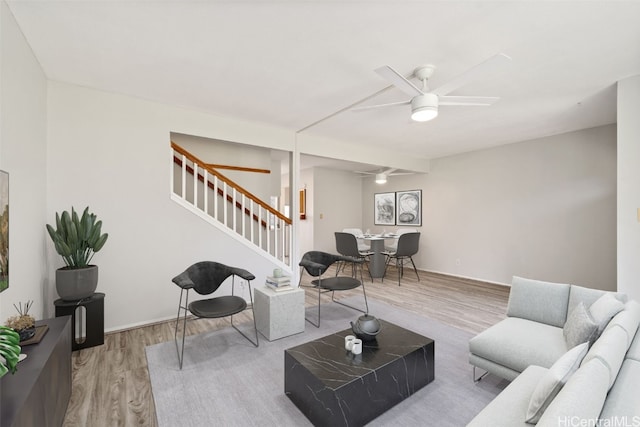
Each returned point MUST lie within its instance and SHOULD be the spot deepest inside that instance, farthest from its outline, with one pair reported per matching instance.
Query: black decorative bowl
(26, 334)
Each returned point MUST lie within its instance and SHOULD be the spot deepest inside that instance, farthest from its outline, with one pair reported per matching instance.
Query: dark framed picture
(4, 230)
(409, 207)
(384, 209)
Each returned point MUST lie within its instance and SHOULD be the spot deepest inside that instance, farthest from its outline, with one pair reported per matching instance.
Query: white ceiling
(292, 63)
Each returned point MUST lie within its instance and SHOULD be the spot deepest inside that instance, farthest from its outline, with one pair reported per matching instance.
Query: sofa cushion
(517, 343)
(553, 380)
(543, 302)
(580, 327)
(610, 349)
(581, 398)
(622, 401)
(603, 310)
(509, 408)
(628, 319)
(588, 296)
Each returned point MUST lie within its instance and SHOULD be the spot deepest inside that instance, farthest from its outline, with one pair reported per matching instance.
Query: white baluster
(260, 226)
(224, 203)
(244, 219)
(268, 230)
(276, 221)
(195, 184)
(206, 191)
(184, 177)
(234, 210)
(251, 220)
(215, 197)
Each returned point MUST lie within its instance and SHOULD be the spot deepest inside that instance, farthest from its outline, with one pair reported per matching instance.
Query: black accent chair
(205, 278)
(347, 245)
(408, 245)
(316, 263)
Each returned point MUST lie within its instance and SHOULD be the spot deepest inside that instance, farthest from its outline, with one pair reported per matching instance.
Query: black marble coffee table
(334, 388)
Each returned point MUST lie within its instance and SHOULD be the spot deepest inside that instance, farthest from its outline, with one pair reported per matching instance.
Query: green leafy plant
(76, 238)
(9, 350)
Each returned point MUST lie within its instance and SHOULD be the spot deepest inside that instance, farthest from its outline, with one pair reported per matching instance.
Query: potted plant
(9, 350)
(24, 324)
(77, 239)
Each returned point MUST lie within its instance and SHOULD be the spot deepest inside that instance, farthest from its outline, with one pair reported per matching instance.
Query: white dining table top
(378, 236)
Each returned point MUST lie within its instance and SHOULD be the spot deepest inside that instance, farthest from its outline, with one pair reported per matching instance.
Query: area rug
(225, 381)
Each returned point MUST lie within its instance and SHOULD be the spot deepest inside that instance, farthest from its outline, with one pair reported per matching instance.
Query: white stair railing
(230, 206)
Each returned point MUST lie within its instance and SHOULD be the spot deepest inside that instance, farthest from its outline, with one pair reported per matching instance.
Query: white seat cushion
(517, 343)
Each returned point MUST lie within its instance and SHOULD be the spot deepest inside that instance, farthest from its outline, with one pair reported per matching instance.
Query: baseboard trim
(475, 279)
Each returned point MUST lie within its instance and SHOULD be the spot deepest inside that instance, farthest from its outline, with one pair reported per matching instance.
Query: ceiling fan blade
(475, 73)
(398, 80)
(391, 104)
(480, 101)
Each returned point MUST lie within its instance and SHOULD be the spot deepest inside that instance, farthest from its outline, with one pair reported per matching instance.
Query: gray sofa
(535, 348)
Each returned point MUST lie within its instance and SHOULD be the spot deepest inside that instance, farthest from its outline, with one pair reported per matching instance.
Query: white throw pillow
(553, 380)
(603, 310)
(580, 327)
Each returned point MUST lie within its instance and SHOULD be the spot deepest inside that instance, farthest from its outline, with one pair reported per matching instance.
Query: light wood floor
(111, 384)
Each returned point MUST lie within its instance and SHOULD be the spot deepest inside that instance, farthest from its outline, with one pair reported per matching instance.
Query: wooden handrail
(223, 178)
(238, 168)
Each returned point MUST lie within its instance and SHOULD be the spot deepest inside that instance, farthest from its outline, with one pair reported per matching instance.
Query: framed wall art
(384, 209)
(409, 207)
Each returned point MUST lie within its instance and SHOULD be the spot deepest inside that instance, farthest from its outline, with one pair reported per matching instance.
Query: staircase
(200, 188)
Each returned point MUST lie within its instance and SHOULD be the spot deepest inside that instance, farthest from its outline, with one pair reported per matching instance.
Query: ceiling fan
(381, 177)
(424, 102)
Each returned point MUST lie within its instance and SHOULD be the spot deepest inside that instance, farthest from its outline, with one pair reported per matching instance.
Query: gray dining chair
(391, 247)
(347, 245)
(205, 278)
(408, 245)
(362, 246)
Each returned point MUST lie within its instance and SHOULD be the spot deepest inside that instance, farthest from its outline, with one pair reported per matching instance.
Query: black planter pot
(74, 284)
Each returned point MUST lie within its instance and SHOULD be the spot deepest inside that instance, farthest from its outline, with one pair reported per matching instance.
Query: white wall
(23, 155)
(112, 153)
(337, 204)
(629, 186)
(543, 209)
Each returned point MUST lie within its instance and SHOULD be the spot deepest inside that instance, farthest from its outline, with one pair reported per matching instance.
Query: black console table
(94, 306)
(38, 393)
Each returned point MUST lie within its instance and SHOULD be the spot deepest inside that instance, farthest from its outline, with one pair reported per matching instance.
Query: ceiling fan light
(424, 107)
(424, 114)
(381, 178)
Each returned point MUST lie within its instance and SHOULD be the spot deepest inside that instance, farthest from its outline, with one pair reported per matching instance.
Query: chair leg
(477, 379)
(256, 343)
(317, 325)
(399, 268)
(339, 265)
(366, 304)
(386, 265)
(414, 268)
(180, 349)
(368, 269)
